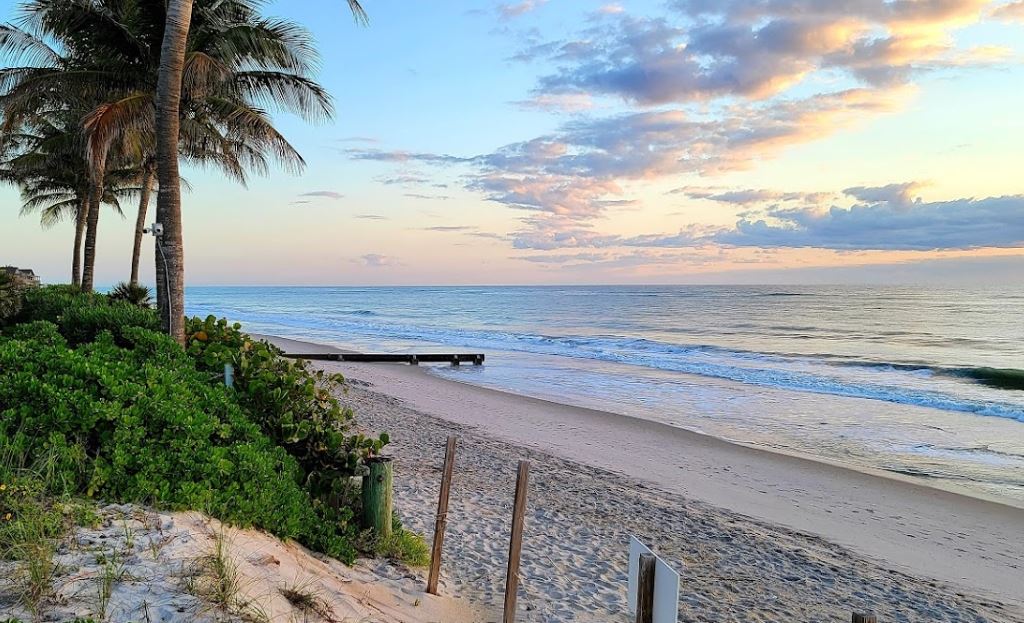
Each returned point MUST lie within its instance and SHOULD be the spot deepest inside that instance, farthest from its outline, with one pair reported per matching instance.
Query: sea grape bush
(122, 424)
(81, 316)
(123, 413)
(292, 403)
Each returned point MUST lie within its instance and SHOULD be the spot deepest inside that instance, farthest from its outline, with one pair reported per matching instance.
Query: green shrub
(49, 302)
(11, 298)
(135, 421)
(292, 403)
(82, 324)
(402, 545)
(80, 317)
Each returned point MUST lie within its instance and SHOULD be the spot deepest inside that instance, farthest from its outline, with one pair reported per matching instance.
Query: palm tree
(171, 263)
(45, 160)
(235, 61)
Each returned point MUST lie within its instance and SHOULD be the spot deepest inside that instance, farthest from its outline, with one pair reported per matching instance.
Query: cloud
(708, 88)
(880, 218)
(467, 230)
(450, 228)
(371, 217)
(403, 180)
(427, 197)
(896, 194)
(358, 139)
(328, 194)
(383, 155)
(512, 10)
(756, 50)
(564, 258)
(574, 175)
(1012, 12)
(891, 222)
(558, 102)
(376, 260)
(488, 235)
(748, 196)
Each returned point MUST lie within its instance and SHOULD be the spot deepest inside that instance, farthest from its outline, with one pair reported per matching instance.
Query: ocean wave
(776, 370)
(787, 294)
(1001, 378)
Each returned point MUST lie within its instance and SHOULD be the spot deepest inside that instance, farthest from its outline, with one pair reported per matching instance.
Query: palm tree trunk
(76, 253)
(95, 201)
(170, 256)
(140, 221)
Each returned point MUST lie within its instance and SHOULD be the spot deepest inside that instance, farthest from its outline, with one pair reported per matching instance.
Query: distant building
(26, 276)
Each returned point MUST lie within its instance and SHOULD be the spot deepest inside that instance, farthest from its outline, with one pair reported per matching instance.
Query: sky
(570, 141)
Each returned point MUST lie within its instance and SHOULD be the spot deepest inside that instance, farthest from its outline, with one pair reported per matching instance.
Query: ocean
(923, 382)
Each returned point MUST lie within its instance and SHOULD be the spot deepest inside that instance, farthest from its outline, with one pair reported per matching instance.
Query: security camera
(157, 229)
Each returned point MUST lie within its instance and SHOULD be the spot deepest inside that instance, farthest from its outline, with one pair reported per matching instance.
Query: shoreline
(914, 481)
(924, 531)
(734, 568)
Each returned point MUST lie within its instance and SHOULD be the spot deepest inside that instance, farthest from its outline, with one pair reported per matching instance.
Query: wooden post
(442, 516)
(645, 589)
(377, 497)
(516, 543)
(864, 618)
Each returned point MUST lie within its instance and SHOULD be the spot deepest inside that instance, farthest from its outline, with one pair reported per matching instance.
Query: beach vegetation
(402, 545)
(124, 414)
(11, 297)
(133, 293)
(36, 512)
(292, 403)
(309, 600)
(81, 316)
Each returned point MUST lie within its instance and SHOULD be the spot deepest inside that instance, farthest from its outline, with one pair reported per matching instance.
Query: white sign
(666, 584)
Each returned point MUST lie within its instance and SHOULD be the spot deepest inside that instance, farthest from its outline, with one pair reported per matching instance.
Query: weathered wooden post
(645, 589)
(229, 375)
(377, 497)
(866, 617)
(516, 543)
(442, 516)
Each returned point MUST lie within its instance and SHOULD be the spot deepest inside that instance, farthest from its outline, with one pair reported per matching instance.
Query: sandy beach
(757, 536)
(138, 564)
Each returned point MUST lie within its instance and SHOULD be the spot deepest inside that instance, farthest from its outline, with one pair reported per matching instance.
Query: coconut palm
(173, 60)
(237, 65)
(45, 160)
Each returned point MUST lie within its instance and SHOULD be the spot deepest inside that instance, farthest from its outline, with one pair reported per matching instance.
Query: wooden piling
(866, 617)
(645, 589)
(377, 495)
(516, 542)
(442, 516)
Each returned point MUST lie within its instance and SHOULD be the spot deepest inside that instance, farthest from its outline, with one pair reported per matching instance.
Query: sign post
(665, 606)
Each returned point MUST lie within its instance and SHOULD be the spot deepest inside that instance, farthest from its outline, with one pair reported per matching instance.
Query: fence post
(377, 496)
(645, 589)
(516, 543)
(442, 516)
(864, 617)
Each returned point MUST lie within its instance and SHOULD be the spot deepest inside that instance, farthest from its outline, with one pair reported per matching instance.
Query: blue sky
(595, 142)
